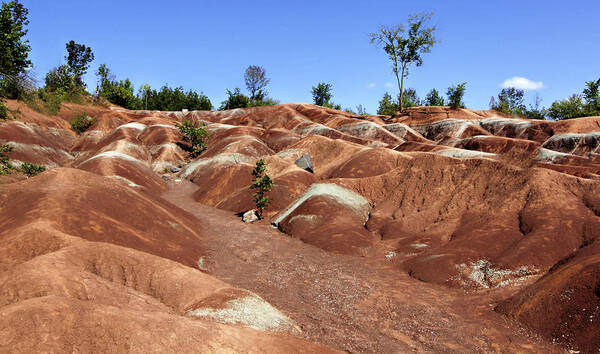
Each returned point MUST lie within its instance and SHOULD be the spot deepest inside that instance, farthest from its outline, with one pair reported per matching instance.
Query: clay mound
(565, 304)
(286, 189)
(101, 209)
(329, 217)
(430, 114)
(367, 163)
(129, 298)
(454, 218)
(446, 131)
(576, 144)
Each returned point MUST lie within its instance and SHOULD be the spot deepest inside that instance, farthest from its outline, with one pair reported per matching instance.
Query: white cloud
(388, 85)
(371, 85)
(522, 83)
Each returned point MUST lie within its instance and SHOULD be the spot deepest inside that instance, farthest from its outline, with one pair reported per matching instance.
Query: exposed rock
(175, 169)
(305, 163)
(250, 216)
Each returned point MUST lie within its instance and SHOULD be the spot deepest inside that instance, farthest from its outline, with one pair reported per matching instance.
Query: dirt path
(358, 304)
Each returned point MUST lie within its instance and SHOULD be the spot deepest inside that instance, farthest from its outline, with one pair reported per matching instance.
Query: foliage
(411, 99)
(535, 110)
(404, 51)
(168, 99)
(433, 98)
(332, 105)
(587, 104)
(31, 169)
(360, 110)
(256, 82)
(196, 136)
(510, 100)
(235, 99)
(5, 165)
(455, 95)
(78, 59)
(264, 102)
(60, 78)
(591, 94)
(82, 123)
(387, 105)
(263, 184)
(322, 93)
(571, 107)
(3, 111)
(14, 49)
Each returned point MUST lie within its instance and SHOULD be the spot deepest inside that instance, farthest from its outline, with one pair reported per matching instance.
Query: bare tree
(256, 81)
(402, 50)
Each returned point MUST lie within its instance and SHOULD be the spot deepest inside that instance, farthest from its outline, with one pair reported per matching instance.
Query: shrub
(196, 136)
(455, 95)
(264, 102)
(3, 111)
(5, 165)
(31, 169)
(82, 123)
(235, 99)
(387, 105)
(322, 93)
(60, 78)
(572, 107)
(262, 183)
(434, 98)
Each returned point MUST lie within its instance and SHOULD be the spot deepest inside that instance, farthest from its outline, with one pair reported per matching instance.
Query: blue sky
(206, 45)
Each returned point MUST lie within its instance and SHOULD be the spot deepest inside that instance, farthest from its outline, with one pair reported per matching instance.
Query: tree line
(404, 44)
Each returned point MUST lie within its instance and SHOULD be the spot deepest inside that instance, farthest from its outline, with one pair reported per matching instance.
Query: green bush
(31, 169)
(387, 105)
(235, 99)
(263, 184)
(196, 136)
(572, 107)
(456, 94)
(434, 98)
(5, 165)
(3, 111)
(82, 123)
(60, 78)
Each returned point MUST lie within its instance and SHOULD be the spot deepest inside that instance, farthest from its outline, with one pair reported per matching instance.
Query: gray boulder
(175, 169)
(305, 163)
(250, 216)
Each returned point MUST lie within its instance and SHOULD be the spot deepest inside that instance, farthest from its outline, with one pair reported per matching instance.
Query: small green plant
(262, 184)
(3, 111)
(455, 95)
(196, 136)
(82, 123)
(5, 166)
(31, 169)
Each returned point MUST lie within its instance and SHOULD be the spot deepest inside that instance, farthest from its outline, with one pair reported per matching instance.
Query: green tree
(434, 98)
(235, 99)
(79, 57)
(387, 106)
(14, 49)
(572, 107)
(60, 78)
(591, 94)
(404, 51)
(263, 184)
(510, 100)
(455, 95)
(3, 111)
(5, 165)
(196, 136)
(322, 93)
(411, 99)
(256, 82)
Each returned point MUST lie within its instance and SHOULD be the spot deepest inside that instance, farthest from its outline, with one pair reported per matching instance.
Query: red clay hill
(433, 230)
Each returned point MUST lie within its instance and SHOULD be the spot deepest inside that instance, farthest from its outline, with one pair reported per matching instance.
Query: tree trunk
(402, 87)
